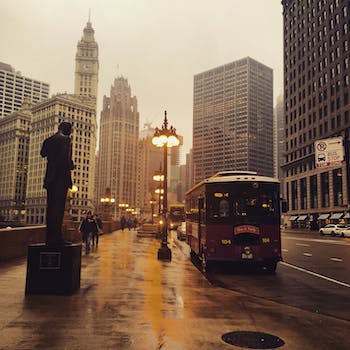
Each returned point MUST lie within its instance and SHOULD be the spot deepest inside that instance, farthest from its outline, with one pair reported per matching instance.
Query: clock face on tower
(86, 66)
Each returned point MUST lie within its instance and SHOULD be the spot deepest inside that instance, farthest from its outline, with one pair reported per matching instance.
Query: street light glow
(164, 137)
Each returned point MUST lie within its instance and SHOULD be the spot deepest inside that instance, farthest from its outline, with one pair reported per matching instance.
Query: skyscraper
(14, 145)
(316, 103)
(87, 64)
(80, 110)
(233, 119)
(280, 138)
(14, 88)
(150, 160)
(119, 137)
(47, 115)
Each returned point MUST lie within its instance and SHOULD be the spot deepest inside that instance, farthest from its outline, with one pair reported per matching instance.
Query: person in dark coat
(122, 222)
(88, 228)
(96, 234)
(58, 151)
(129, 223)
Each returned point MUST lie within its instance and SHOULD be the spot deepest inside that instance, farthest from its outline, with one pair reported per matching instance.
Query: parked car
(181, 231)
(345, 232)
(332, 229)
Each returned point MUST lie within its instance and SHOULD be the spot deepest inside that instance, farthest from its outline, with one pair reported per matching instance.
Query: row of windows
(299, 190)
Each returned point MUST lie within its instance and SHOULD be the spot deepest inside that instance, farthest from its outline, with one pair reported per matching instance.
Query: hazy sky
(159, 45)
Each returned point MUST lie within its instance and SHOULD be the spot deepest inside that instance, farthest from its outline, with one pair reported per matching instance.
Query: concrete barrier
(14, 241)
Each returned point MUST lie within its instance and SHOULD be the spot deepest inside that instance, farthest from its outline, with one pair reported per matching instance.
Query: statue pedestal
(53, 270)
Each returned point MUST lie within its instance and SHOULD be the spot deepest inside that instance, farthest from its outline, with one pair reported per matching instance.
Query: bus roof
(233, 176)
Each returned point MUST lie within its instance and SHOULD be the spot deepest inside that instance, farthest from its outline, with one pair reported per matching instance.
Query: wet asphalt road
(314, 276)
(130, 300)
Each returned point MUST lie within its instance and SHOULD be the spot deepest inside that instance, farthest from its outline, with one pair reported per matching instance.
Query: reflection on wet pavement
(130, 300)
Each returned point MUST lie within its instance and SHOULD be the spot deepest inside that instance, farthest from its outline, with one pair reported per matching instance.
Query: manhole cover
(253, 340)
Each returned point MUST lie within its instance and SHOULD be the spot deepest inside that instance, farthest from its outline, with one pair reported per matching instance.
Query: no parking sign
(329, 152)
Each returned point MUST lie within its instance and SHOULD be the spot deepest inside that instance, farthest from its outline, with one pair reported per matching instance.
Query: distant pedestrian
(122, 223)
(88, 228)
(96, 234)
(129, 224)
(135, 223)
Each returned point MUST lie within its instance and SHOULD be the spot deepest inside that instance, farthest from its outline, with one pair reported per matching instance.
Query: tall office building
(316, 104)
(280, 138)
(118, 145)
(233, 119)
(87, 64)
(14, 144)
(14, 88)
(47, 115)
(150, 160)
(80, 110)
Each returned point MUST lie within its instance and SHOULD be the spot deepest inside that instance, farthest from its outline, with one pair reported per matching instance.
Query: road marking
(328, 241)
(307, 254)
(336, 259)
(315, 274)
(303, 244)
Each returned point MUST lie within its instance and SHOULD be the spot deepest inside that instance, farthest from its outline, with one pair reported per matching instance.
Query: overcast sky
(158, 45)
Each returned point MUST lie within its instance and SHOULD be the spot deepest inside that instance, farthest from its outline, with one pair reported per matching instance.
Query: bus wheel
(271, 267)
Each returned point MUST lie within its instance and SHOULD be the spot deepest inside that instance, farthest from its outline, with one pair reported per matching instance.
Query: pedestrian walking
(122, 222)
(95, 236)
(135, 223)
(88, 228)
(129, 223)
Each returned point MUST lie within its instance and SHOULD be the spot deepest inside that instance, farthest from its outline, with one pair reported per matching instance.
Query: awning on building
(323, 216)
(293, 217)
(336, 216)
(347, 216)
(302, 217)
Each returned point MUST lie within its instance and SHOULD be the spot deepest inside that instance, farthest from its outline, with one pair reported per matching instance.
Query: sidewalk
(130, 300)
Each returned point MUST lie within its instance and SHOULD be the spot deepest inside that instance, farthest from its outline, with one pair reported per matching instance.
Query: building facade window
(303, 193)
(294, 195)
(325, 190)
(338, 187)
(313, 191)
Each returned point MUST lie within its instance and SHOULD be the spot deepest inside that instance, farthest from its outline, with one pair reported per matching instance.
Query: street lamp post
(107, 203)
(166, 138)
(152, 202)
(159, 177)
(122, 207)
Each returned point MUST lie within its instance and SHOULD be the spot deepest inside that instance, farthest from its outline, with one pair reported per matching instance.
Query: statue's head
(66, 128)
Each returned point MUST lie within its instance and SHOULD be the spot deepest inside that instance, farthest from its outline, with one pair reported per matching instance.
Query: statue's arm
(44, 149)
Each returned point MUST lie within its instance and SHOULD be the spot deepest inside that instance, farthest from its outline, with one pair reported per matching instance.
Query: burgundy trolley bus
(235, 216)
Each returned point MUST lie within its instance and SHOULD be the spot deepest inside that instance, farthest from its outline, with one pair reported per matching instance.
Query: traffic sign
(329, 152)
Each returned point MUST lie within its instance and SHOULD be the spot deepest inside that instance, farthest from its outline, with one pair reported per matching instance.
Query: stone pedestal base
(164, 253)
(53, 270)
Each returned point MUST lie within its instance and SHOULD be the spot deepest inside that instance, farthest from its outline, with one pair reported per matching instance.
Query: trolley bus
(234, 216)
(176, 215)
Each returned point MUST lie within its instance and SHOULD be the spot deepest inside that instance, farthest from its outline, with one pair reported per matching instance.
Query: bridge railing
(14, 241)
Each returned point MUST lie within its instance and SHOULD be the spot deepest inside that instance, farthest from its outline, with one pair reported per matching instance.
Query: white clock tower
(86, 65)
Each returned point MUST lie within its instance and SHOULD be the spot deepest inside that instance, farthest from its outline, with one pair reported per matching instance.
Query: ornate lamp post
(159, 177)
(107, 203)
(122, 207)
(152, 202)
(165, 137)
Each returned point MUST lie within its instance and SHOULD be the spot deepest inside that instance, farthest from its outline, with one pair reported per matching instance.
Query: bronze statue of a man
(58, 151)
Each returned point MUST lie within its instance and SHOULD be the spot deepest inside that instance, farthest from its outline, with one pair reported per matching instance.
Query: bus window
(224, 208)
(219, 205)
